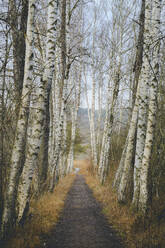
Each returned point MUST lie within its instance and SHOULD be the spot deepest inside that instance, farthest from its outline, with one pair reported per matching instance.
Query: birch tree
(92, 121)
(34, 140)
(105, 150)
(74, 113)
(19, 144)
(112, 96)
(54, 167)
(70, 51)
(143, 104)
(155, 46)
(122, 174)
(142, 117)
(2, 117)
(63, 93)
(55, 109)
(100, 100)
(18, 22)
(2, 110)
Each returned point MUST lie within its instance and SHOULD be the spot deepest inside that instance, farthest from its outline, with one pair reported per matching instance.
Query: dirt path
(82, 225)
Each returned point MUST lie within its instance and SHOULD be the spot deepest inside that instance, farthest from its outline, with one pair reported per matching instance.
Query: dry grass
(135, 232)
(44, 215)
(84, 166)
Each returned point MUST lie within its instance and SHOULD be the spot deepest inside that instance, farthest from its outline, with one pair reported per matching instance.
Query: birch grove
(24, 167)
(141, 116)
(74, 114)
(104, 158)
(132, 176)
(124, 169)
(80, 78)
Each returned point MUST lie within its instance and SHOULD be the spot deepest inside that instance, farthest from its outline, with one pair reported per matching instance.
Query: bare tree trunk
(74, 110)
(102, 154)
(45, 143)
(54, 169)
(122, 176)
(129, 152)
(105, 150)
(18, 37)
(2, 113)
(55, 109)
(18, 149)
(155, 31)
(34, 140)
(120, 169)
(139, 51)
(143, 105)
(100, 98)
(92, 120)
(32, 150)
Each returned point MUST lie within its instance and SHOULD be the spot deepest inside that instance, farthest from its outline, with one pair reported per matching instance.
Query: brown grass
(45, 213)
(136, 233)
(84, 166)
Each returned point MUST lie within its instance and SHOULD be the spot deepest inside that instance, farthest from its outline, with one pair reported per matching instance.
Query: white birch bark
(74, 110)
(120, 169)
(99, 117)
(92, 120)
(122, 177)
(19, 144)
(63, 92)
(51, 130)
(55, 110)
(155, 45)
(63, 154)
(143, 105)
(33, 147)
(128, 152)
(120, 117)
(34, 140)
(102, 155)
(105, 150)
(73, 135)
(89, 114)
(115, 68)
(87, 101)
(2, 116)
(59, 137)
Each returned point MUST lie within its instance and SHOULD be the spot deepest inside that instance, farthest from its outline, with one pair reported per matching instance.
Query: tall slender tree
(122, 175)
(155, 46)
(19, 144)
(34, 140)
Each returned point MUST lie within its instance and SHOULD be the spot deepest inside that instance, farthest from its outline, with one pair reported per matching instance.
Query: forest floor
(43, 215)
(135, 231)
(82, 223)
(82, 213)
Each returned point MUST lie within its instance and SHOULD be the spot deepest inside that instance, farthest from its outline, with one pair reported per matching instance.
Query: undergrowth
(135, 231)
(44, 214)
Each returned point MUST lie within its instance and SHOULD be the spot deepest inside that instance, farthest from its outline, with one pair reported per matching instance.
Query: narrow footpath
(82, 224)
